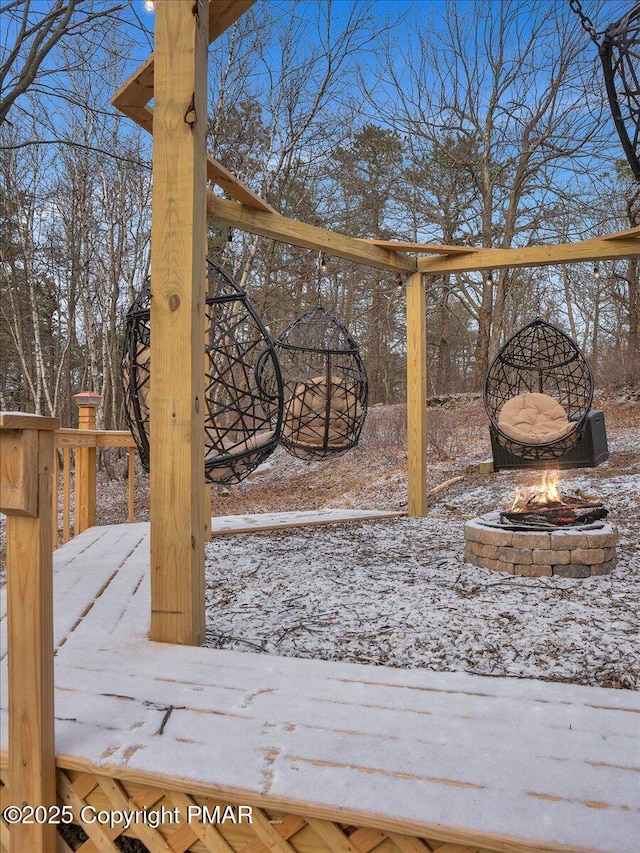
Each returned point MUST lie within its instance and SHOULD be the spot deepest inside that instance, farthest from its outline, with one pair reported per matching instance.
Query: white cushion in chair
(255, 442)
(534, 419)
(315, 412)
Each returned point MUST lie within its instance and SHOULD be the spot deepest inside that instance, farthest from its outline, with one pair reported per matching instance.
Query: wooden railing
(85, 443)
(88, 441)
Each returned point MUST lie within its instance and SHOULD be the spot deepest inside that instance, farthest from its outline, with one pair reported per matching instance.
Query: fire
(546, 494)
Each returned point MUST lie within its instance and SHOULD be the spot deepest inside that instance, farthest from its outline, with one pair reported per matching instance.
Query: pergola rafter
(133, 97)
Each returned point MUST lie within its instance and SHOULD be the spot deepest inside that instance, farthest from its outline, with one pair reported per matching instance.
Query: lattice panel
(270, 831)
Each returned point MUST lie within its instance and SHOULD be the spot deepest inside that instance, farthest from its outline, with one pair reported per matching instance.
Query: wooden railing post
(26, 488)
(85, 512)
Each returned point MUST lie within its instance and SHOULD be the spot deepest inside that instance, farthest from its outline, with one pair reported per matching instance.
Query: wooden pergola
(330, 757)
(175, 77)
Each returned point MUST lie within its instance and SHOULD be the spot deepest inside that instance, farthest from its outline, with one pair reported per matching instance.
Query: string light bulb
(489, 278)
(148, 6)
(596, 272)
(323, 262)
(399, 283)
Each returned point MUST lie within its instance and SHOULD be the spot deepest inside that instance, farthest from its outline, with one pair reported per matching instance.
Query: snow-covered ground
(398, 592)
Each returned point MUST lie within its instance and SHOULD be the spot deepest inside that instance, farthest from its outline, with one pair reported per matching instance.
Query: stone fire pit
(568, 552)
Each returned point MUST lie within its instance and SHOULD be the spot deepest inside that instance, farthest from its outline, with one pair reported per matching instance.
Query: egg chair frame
(620, 55)
(539, 359)
(135, 371)
(243, 418)
(243, 422)
(619, 51)
(325, 386)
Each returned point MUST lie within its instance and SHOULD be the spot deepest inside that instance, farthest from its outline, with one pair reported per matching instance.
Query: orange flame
(546, 494)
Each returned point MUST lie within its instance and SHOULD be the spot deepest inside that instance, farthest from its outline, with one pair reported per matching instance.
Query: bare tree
(75, 242)
(508, 82)
(32, 30)
(277, 87)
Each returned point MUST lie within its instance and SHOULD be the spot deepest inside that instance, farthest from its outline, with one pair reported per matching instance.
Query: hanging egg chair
(538, 393)
(325, 387)
(243, 418)
(619, 51)
(136, 379)
(620, 55)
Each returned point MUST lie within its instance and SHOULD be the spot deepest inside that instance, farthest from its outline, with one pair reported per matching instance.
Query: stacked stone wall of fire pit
(557, 553)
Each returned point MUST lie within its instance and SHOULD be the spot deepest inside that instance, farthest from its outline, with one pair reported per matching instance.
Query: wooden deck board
(531, 765)
(228, 525)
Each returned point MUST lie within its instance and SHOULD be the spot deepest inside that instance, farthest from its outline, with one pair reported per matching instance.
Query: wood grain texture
(66, 494)
(178, 283)
(93, 438)
(54, 500)
(416, 396)
(278, 227)
(233, 525)
(30, 654)
(131, 485)
(426, 248)
(25, 420)
(138, 89)
(19, 472)
(237, 189)
(602, 248)
(622, 235)
(86, 472)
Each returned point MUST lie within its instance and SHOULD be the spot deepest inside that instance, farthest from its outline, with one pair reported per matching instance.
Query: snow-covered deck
(506, 764)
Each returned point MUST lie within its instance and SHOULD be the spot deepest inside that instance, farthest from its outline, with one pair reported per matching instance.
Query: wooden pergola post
(26, 451)
(416, 395)
(178, 287)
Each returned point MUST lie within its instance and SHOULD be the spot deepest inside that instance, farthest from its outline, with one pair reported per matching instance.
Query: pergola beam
(621, 235)
(277, 227)
(598, 249)
(423, 248)
(138, 89)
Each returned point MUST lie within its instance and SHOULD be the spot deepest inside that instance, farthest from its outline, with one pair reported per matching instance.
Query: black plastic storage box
(590, 450)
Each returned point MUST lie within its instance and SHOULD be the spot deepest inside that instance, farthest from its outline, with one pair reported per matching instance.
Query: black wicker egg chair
(325, 387)
(619, 51)
(136, 379)
(244, 415)
(243, 418)
(620, 55)
(538, 393)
